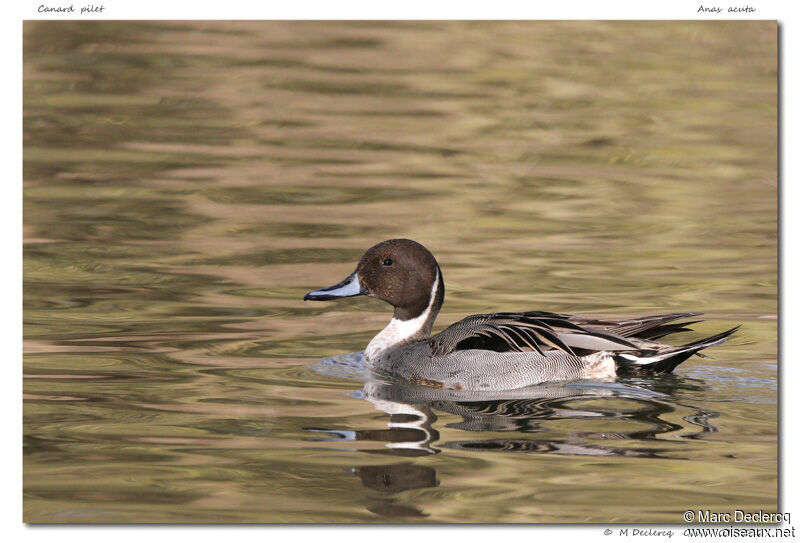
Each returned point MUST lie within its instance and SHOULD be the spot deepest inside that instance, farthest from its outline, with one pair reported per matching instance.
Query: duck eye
(387, 262)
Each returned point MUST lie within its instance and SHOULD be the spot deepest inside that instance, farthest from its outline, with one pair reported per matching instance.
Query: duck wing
(538, 331)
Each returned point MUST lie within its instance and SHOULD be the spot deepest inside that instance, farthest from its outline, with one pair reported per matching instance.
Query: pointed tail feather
(666, 361)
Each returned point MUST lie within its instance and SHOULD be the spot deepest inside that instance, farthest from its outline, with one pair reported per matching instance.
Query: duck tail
(651, 363)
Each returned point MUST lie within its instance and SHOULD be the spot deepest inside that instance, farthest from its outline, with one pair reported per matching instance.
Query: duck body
(498, 351)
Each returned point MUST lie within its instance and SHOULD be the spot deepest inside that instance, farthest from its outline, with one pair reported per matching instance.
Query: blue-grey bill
(349, 287)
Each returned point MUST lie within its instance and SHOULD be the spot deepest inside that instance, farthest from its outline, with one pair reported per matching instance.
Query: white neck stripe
(399, 331)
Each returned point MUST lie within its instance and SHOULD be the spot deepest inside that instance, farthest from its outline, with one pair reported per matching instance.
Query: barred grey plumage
(477, 369)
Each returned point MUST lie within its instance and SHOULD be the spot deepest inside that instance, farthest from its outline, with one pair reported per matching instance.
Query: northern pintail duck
(498, 351)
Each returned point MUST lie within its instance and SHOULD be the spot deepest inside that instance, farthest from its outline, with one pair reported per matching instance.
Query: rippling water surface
(186, 183)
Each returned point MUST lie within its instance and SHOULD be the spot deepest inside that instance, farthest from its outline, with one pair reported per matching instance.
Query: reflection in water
(393, 479)
(639, 406)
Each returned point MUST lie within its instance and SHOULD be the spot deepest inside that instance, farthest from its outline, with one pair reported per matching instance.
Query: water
(186, 183)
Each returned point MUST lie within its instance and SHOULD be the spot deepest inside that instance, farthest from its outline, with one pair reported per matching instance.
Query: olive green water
(186, 183)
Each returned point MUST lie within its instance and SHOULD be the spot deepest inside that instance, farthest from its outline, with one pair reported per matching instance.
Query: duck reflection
(640, 405)
(646, 416)
(393, 479)
(529, 413)
(410, 433)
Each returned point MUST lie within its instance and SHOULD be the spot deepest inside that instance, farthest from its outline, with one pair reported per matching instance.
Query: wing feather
(541, 331)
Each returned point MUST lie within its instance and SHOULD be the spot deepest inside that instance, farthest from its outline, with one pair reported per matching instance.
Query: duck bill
(349, 287)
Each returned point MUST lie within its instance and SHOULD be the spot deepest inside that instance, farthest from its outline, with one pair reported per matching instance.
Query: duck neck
(401, 331)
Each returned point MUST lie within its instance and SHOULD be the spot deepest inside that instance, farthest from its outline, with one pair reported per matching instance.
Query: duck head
(398, 271)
